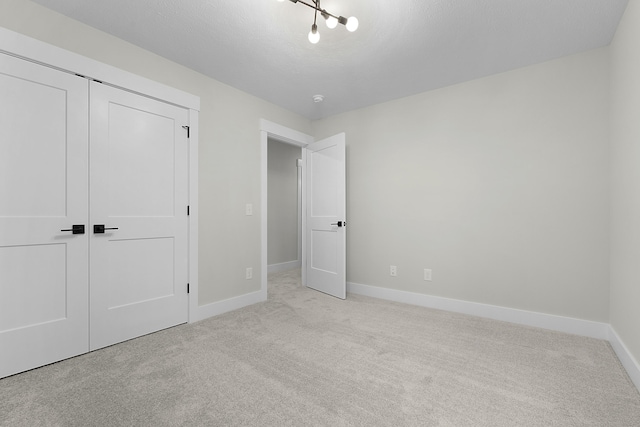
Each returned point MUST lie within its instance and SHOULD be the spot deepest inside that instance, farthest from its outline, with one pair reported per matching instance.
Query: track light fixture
(331, 20)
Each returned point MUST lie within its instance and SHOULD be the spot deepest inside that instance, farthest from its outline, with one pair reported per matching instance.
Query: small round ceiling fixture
(318, 98)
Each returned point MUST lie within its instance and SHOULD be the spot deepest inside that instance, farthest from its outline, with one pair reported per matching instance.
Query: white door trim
(290, 136)
(194, 126)
(30, 49)
(25, 47)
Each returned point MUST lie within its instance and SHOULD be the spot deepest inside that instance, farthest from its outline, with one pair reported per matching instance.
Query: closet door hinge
(188, 210)
(187, 288)
(188, 128)
(88, 78)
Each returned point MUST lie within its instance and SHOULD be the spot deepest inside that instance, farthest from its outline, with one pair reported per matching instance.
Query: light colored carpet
(304, 358)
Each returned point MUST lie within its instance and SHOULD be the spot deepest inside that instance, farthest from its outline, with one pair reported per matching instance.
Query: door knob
(100, 228)
(340, 223)
(76, 229)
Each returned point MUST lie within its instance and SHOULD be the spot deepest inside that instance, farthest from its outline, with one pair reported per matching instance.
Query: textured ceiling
(402, 47)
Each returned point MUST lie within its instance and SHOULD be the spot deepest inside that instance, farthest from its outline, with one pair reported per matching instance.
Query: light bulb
(331, 22)
(314, 35)
(352, 24)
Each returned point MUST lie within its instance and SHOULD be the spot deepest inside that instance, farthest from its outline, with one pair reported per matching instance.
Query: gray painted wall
(625, 181)
(499, 185)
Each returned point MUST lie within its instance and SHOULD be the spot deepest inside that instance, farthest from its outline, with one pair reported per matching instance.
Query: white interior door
(139, 193)
(325, 238)
(43, 191)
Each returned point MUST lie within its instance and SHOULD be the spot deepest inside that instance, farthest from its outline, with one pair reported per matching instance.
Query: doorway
(284, 206)
(284, 135)
(85, 225)
(323, 213)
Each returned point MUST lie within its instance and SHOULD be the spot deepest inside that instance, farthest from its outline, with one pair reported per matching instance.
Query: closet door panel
(43, 191)
(139, 193)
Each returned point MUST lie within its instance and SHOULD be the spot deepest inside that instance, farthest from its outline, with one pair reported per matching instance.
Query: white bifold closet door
(43, 191)
(111, 165)
(138, 180)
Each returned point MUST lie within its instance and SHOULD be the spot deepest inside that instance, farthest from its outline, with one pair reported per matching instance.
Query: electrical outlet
(427, 274)
(249, 273)
(249, 209)
(393, 270)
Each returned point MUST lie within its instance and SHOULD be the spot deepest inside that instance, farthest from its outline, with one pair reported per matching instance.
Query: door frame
(288, 136)
(30, 49)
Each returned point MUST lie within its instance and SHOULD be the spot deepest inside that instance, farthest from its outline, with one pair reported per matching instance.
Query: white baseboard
(626, 358)
(285, 266)
(221, 307)
(529, 318)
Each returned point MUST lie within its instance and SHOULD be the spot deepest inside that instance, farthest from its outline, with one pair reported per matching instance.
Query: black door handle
(340, 223)
(100, 228)
(76, 229)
